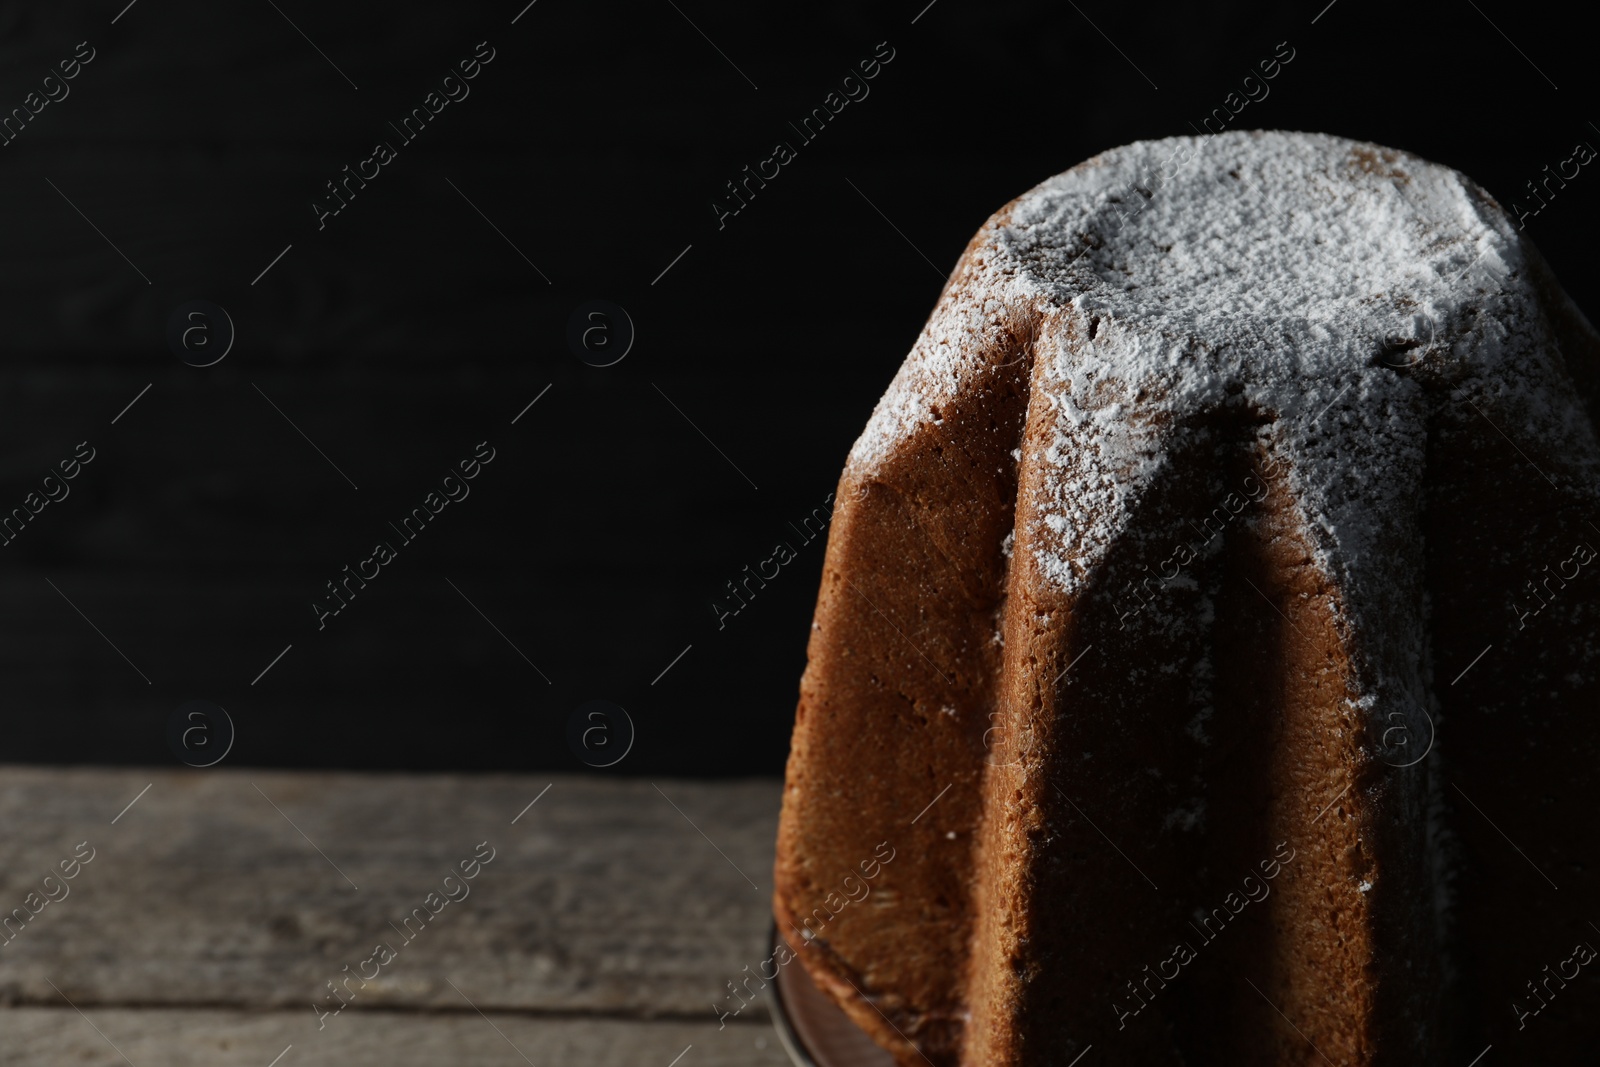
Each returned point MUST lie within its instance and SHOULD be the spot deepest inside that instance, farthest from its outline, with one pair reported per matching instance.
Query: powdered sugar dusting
(968, 322)
(1316, 282)
(1295, 276)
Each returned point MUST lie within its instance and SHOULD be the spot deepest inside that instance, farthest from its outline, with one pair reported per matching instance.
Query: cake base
(812, 1029)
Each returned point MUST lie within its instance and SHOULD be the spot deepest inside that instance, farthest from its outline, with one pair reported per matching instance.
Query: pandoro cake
(1207, 626)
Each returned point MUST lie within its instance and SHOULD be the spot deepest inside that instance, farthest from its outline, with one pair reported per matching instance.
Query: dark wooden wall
(408, 329)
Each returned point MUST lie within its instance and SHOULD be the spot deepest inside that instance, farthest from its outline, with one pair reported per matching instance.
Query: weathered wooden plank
(48, 1037)
(602, 897)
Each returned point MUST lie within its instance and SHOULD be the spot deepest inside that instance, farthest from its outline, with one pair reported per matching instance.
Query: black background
(408, 329)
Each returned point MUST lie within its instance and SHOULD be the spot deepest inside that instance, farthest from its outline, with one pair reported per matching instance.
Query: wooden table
(219, 904)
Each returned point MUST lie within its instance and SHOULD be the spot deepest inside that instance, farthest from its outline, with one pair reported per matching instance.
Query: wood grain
(601, 899)
(48, 1037)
